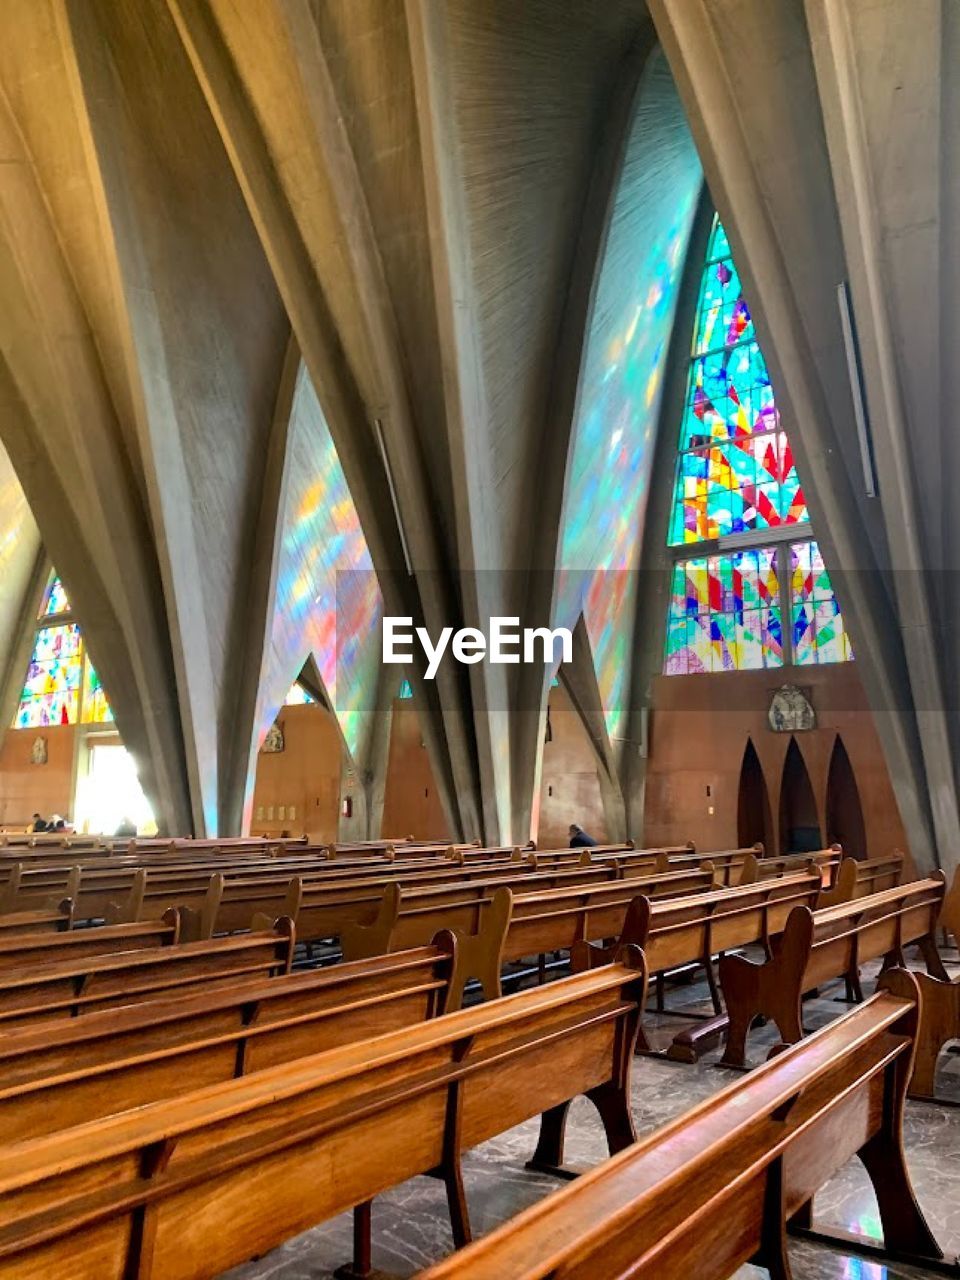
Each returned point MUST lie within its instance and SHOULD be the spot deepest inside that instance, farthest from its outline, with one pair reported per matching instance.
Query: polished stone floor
(411, 1228)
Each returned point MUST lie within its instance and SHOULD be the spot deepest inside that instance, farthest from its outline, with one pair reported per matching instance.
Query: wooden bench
(675, 934)
(939, 1008)
(325, 910)
(74, 987)
(856, 878)
(828, 943)
(494, 925)
(827, 861)
(189, 1187)
(717, 1187)
(24, 950)
(73, 1070)
(53, 920)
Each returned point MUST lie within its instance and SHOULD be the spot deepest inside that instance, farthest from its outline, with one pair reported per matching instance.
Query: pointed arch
(845, 823)
(799, 820)
(754, 815)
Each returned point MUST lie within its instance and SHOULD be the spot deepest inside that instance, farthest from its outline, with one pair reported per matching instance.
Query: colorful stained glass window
(818, 631)
(51, 692)
(298, 696)
(96, 708)
(725, 614)
(736, 470)
(54, 599)
(61, 685)
(736, 476)
(406, 689)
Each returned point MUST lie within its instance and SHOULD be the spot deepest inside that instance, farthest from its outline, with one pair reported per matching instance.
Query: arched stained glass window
(61, 685)
(737, 484)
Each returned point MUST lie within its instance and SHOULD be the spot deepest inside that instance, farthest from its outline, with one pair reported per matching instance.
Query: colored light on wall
(622, 381)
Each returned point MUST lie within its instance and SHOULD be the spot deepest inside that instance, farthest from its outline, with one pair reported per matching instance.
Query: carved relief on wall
(791, 711)
(273, 742)
(38, 752)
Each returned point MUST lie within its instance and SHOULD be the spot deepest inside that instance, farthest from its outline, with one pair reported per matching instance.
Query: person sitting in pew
(38, 823)
(579, 838)
(126, 828)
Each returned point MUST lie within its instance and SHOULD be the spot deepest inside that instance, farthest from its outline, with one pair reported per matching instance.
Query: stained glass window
(61, 685)
(736, 470)
(96, 708)
(725, 614)
(298, 696)
(51, 692)
(54, 599)
(406, 689)
(736, 476)
(818, 632)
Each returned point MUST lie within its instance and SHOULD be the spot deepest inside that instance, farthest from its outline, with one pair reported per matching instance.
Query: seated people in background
(126, 828)
(579, 838)
(56, 823)
(38, 824)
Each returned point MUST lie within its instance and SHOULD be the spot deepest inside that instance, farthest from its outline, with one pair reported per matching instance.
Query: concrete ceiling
(308, 311)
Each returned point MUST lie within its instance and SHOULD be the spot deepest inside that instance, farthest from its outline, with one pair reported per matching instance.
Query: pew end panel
(939, 1023)
(479, 955)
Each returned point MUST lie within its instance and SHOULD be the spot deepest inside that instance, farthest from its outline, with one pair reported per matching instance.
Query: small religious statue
(790, 710)
(273, 742)
(38, 752)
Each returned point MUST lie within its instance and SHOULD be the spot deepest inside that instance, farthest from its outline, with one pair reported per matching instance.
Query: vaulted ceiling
(316, 309)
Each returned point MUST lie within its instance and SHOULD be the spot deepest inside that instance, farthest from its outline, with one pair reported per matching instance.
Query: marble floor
(411, 1227)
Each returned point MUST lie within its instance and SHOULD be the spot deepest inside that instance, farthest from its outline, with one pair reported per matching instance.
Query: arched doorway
(844, 812)
(799, 824)
(754, 817)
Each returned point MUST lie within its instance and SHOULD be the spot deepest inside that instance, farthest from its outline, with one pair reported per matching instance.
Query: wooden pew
(325, 911)
(827, 861)
(856, 878)
(73, 1070)
(939, 1009)
(718, 1186)
(53, 920)
(70, 988)
(24, 950)
(821, 945)
(526, 923)
(191, 1186)
(674, 934)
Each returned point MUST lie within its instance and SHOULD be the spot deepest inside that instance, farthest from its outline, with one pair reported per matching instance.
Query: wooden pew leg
(772, 1253)
(932, 958)
(905, 1230)
(360, 1266)
(548, 1157)
(457, 1203)
(613, 1103)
